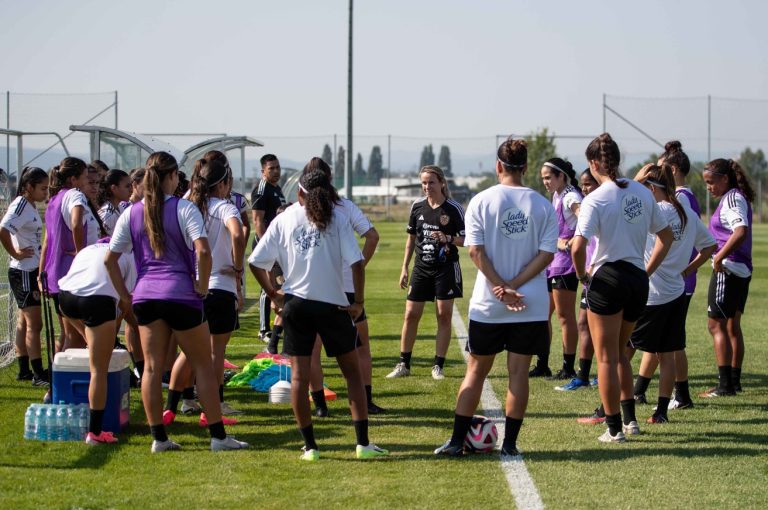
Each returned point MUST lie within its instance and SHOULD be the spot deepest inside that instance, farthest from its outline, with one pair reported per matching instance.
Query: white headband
(554, 167)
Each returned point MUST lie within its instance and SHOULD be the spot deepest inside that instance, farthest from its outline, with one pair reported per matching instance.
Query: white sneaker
(190, 406)
(608, 438)
(164, 446)
(371, 451)
(631, 429)
(228, 409)
(437, 373)
(400, 371)
(228, 443)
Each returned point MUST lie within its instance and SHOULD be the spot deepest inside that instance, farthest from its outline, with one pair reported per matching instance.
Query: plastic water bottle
(62, 427)
(29, 423)
(73, 423)
(84, 418)
(40, 424)
(50, 424)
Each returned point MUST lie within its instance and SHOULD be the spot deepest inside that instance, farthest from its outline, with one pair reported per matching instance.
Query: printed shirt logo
(306, 238)
(631, 208)
(444, 219)
(514, 223)
(677, 230)
(421, 218)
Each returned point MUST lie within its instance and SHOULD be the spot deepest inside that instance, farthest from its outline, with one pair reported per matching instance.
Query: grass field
(713, 456)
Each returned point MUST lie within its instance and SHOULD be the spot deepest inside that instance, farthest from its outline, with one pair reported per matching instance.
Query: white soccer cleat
(437, 373)
(631, 429)
(165, 446)
(400, 371)
(608, 438)
(228, 443)
(229, 410)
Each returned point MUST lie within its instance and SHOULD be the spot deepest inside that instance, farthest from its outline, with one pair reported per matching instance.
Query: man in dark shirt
(266, 198)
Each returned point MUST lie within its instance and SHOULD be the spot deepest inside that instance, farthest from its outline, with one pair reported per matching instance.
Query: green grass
(708, 457)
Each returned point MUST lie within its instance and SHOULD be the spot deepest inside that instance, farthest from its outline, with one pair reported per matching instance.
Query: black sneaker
(272, 345)
(133, 381)
(449, 450)
(640, 399)
(510, 452)
(25, 376)
(537, 371)
(737, 387)
(717, 391)
(562, 375)
(374, 409)
(321, 412)
(41, 382)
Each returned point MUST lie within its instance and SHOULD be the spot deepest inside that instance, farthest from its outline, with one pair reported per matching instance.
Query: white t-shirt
(311, 260)
(513, 224)
(621, 218)
(666, 283)
(109, 215)
(26, 228)
(569, 197)
(88, 275)
(734, 213)
(73, 198)
(219, 213)
(360, 224)
(190, 223)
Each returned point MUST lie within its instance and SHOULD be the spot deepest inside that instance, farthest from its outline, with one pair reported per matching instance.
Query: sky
(458, 72)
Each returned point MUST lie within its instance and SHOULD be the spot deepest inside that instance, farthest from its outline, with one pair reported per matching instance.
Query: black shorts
(351, 299)
(563, 282)
(661, 328)
(178, 316)
(24, 287)
(304, 319)
(442, 282)
(92, 310)
(727, 295)
(526, 338)
(618, 286)
(221, 311)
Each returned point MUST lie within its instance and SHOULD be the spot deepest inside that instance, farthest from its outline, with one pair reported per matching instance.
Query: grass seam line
(519, 480)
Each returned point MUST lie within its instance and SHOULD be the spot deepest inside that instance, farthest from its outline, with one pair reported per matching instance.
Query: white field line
(519, 480)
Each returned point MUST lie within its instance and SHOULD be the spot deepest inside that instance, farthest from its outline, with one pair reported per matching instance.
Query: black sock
(172, 404)
(682, 391)
(585, 365)
(158, 432)
(461, 425)
(542, 362)
(661, 407)
(97, 417)
(318, 397)
(217, 430)
(277, 331)
(405, 357)
(568, 361)
(600, 411)
(23, 364)
(139, 367)
(189, 393)
(614, 423)
(735, 374)
(641, 385)
(37, 367)
(439, 361)
(628, 410)
(361, 432)
(511, 431)
(725, 377)
(308, 434)
(221, 393)
(368, 392)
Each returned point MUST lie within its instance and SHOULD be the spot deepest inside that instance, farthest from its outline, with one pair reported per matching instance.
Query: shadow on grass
(92, 457)
(618, 452)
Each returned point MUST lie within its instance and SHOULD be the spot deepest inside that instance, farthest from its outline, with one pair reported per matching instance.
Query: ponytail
(206, 177)
(662, 178)
(319, 198)
(737, 177)
(606, 153)
(30, 175)
(674, 156)
(159, 166)
(61, 173)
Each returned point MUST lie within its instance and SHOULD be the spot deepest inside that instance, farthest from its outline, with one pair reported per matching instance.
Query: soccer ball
(481, 436)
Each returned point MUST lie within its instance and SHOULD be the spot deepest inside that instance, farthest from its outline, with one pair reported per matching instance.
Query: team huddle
(167, 258)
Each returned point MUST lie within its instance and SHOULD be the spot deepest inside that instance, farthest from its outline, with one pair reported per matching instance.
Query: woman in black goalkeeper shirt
(435, 231)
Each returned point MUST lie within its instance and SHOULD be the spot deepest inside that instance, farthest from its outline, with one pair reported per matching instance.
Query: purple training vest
(171, 277)
(743, 253)
(690, 280)
(562, 263)
(60, 244)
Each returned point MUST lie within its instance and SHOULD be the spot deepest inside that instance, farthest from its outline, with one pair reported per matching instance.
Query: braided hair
(605, 152)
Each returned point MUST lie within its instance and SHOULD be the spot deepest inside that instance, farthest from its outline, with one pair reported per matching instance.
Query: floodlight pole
(709, 139)
(350, 152)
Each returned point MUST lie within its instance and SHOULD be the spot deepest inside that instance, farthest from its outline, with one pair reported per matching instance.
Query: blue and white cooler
(72, 376)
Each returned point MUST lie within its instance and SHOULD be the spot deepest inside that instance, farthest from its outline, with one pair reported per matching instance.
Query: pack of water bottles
(56, 422)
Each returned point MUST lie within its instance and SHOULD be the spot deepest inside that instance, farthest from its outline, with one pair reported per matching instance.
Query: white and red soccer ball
(482, 435)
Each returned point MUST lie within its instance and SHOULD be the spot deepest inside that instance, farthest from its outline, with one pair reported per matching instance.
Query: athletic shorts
(178, 316)
(618, 286)
(442, 282)
(583, 301)
(661, 328)
(92, 310)
(727, 295)
(221, 311)
(563, 282)
(304, 319)
(526, 338)
(24, 287)
(351, 299)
